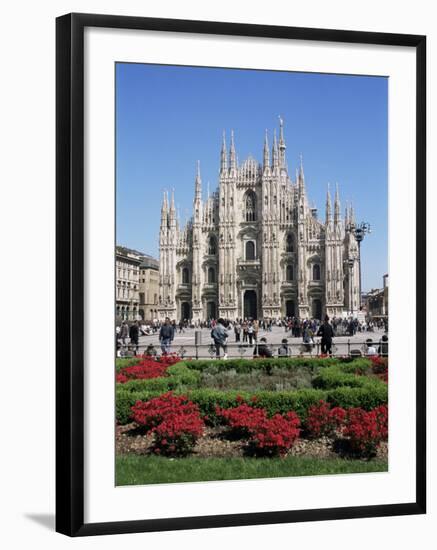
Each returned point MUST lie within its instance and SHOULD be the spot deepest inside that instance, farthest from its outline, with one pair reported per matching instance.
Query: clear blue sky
(169, 117)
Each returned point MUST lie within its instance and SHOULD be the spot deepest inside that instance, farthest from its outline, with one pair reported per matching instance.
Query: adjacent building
(376, 302)
(256, 248)
(136, 284)
(148, 288)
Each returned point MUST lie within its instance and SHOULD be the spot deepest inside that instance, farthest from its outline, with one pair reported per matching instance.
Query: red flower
(271, 436)
(322, 420)
(174, 420)
(146, 369)
(366, 429)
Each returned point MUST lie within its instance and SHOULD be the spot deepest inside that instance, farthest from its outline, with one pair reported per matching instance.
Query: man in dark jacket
(166, 335)
(134, 333)
(262, 350)
(327, 333)
(219, 335)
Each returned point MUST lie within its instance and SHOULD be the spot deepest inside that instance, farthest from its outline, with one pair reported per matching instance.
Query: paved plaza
(184, 343)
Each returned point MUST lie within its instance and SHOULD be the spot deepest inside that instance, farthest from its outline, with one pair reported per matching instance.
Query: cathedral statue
(257, 241)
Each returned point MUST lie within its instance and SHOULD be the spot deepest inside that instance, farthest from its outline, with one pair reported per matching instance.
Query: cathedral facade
(255, 248)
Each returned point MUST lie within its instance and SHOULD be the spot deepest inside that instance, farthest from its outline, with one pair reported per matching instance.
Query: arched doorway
(250, 305)
(290, 308)
(317, 309)
(211, 310)
(185, 311)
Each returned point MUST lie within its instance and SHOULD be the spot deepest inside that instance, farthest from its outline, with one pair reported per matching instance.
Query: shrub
(151, 413)
(299, 401)
(174, 420)
(247, 365)
(380, 367)
(334, 378)
(143, 371)
(179, 374)
(366, 429)
(324, 420)
(347, 374)
(276, 435)
(177, 434)
(242, 419)
(360, 365)
(283, 402)
(157, 385)
(267, 436)
(368, 397)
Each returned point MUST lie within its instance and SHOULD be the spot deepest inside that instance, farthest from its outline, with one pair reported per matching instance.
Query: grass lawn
(144, 470)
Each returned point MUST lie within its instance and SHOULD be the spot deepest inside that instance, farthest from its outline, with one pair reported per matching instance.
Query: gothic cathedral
(256, 249)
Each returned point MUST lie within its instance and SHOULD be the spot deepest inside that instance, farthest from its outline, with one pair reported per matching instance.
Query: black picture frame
(70, 273)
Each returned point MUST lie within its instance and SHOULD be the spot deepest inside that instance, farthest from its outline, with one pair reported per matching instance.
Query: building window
(211, 275)
(250, 206)
(142, 298)
(250, 250)
(290, 244)
(212, 246)
(185, 275)
(316, 272)
(289, 273)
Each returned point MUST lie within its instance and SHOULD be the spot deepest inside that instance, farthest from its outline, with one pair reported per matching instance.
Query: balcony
(184, 286)
(249, 264)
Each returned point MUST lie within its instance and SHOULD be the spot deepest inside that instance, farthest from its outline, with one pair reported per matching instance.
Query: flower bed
(166, 400)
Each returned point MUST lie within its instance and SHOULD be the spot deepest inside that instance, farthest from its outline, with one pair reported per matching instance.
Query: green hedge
(367, 398)
(274, 402)
(360, 365)
(247, 365)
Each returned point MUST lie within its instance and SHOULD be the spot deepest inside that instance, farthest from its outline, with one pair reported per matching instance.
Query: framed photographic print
(240, 274)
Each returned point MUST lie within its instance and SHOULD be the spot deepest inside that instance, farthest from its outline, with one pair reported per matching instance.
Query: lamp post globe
(359, 231)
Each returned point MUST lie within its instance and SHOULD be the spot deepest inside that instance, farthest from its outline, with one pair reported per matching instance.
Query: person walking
(219, 335)
(134, 333)
(166, 336)
(124, 332)
(308, 335)
(245, 331)
(250, 334)
(326, 332)
(237, 331)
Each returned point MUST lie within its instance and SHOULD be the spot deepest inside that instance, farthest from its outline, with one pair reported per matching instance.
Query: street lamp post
(359, 231)
(350, 264)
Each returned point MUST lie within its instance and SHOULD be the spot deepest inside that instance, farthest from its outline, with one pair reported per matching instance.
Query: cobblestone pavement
(184, 343)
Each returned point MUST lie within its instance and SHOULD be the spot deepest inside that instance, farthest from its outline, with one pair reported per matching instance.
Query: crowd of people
(246, 332)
